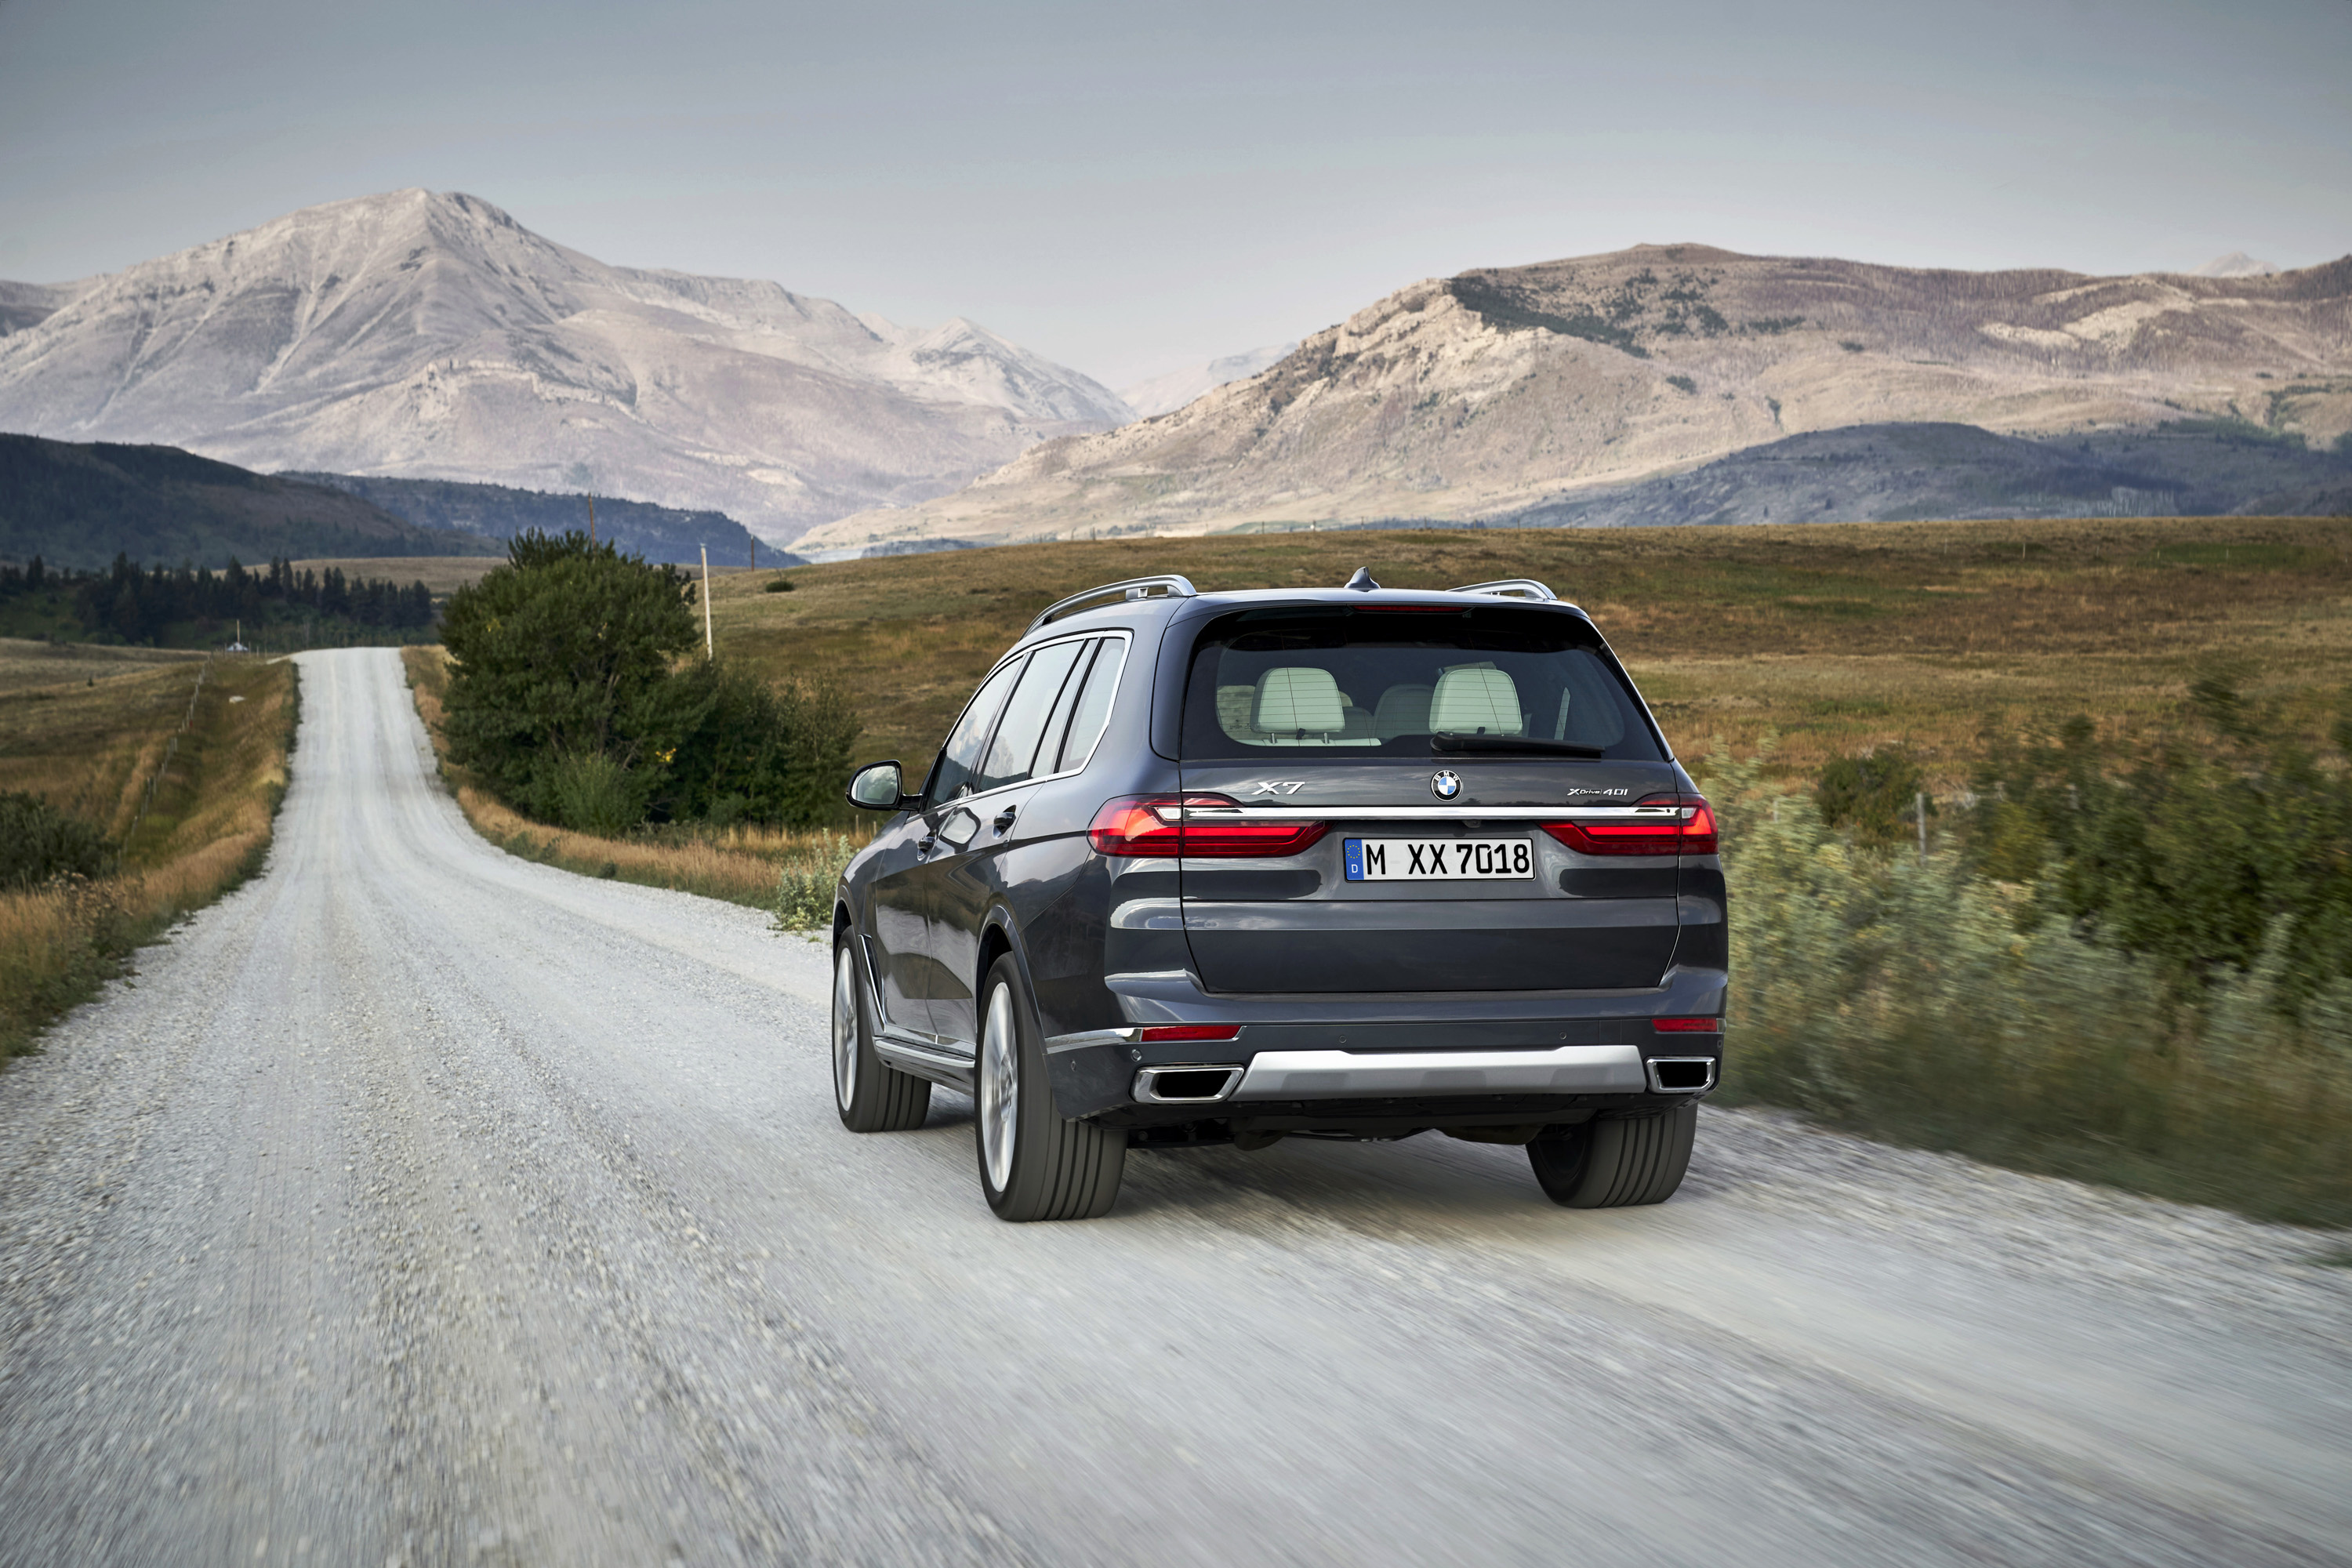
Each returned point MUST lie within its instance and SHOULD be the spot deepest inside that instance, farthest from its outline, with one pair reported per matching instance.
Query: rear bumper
(1109, 1077)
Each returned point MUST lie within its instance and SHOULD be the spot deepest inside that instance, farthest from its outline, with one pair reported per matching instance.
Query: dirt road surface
(419, 1204)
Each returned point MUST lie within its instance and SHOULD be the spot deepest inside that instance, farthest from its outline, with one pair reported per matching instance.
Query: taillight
(1687, 1026)
(1158, 1032)
(1689, 830)
(1170, 824)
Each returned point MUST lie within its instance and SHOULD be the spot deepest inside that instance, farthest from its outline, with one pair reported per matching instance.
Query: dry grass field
(25, 664)
(93, 744)
(444, 574)
(1836, 638)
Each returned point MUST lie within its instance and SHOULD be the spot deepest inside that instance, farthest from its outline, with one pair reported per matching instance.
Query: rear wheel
(1616, 1163)
(871, 1095)
(1033, 1163)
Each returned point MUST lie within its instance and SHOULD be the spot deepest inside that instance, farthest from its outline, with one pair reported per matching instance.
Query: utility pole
(1920, 805)
(592, 519)
(754, 551)
(710, 648)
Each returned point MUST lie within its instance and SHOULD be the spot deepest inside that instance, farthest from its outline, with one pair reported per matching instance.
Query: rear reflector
(1158, 1032)
(1172, 825)
(1689, 829)
(1687, 1026)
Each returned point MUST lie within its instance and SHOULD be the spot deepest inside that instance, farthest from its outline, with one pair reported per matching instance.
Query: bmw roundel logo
(1446, 783)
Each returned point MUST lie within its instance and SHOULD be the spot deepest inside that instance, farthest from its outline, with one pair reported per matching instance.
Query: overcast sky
(1127, 188)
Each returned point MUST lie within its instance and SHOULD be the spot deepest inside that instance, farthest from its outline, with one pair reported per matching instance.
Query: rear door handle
(1004, 818)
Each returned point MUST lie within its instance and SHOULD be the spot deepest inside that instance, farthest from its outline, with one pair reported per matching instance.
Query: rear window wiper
(1521, 745)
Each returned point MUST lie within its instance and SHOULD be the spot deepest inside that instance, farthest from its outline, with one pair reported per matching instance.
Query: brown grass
(739, 865)
(1838, 638)
(93, 749)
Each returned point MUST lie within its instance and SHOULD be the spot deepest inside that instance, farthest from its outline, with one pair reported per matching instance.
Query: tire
(871, 1095)
(1033, 1163)
(1618, 1162)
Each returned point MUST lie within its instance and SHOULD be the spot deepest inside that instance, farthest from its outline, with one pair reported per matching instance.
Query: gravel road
(419, 1204)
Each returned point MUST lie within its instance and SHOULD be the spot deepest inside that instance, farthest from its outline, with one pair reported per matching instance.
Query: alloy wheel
(844, 1027)
(1000, 1088)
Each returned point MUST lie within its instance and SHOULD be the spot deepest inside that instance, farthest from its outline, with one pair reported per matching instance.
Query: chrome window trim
(1125, 638)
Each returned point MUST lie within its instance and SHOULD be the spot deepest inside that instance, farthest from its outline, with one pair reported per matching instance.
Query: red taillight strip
(1687, 1026)
(1166, 825)
(1688, 830)
(1191, 1032)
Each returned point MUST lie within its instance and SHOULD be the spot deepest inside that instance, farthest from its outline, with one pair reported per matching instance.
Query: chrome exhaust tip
(1681, 1075)
(1188, 1085)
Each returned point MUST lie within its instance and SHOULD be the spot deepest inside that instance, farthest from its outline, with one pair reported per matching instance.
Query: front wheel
(1033, 1163)
(1618, 1162)
(871, 1095)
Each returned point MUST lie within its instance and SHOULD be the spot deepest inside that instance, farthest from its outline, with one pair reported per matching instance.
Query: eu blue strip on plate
(1355, 848)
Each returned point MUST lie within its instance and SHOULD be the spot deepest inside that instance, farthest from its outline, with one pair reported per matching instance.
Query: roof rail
(1171, 587)
(1509, 588)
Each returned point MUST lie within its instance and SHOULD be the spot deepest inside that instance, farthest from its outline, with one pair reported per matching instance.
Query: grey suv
(1327, 863)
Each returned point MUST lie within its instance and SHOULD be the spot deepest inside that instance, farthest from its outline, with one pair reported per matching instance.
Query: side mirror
(877, 786)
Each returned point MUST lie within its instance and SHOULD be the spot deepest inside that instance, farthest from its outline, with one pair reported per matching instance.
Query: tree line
(151, 604)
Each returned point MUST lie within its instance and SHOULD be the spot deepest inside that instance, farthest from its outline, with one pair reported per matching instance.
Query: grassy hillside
(1837, 636)
(82, 505)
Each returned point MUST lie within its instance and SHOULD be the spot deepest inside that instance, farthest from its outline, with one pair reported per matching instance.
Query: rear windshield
(1339, 681)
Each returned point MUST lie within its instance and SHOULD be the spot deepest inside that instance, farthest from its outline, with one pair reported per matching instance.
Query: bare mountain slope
(430, 335)
(1488, 392)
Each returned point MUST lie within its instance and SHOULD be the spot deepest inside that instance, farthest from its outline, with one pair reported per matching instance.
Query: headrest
(1469, 700)
(1294, 696)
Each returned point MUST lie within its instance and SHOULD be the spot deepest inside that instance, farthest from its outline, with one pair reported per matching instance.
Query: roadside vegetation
(579, 724)
(132, 791)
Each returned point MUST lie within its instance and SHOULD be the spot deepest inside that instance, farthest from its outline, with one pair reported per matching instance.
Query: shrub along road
(422, 1205)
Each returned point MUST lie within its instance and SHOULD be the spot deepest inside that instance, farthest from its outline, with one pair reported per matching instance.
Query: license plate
(1438, 859)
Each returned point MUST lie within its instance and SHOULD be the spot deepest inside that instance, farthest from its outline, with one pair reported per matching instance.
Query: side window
(1058, 723)
(1010, 755)
(1094, 705)
(959, 758)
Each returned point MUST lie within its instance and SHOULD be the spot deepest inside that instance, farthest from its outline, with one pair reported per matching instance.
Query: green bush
(1875, 797)
(2197, 849)
(760, 754)
(589, 793)
(566, 651)
(576, 694)
(38, 842)
(804, 889)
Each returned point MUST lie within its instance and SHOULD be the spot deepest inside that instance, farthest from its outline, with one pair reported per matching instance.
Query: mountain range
(1501, 391)
(429, 335)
